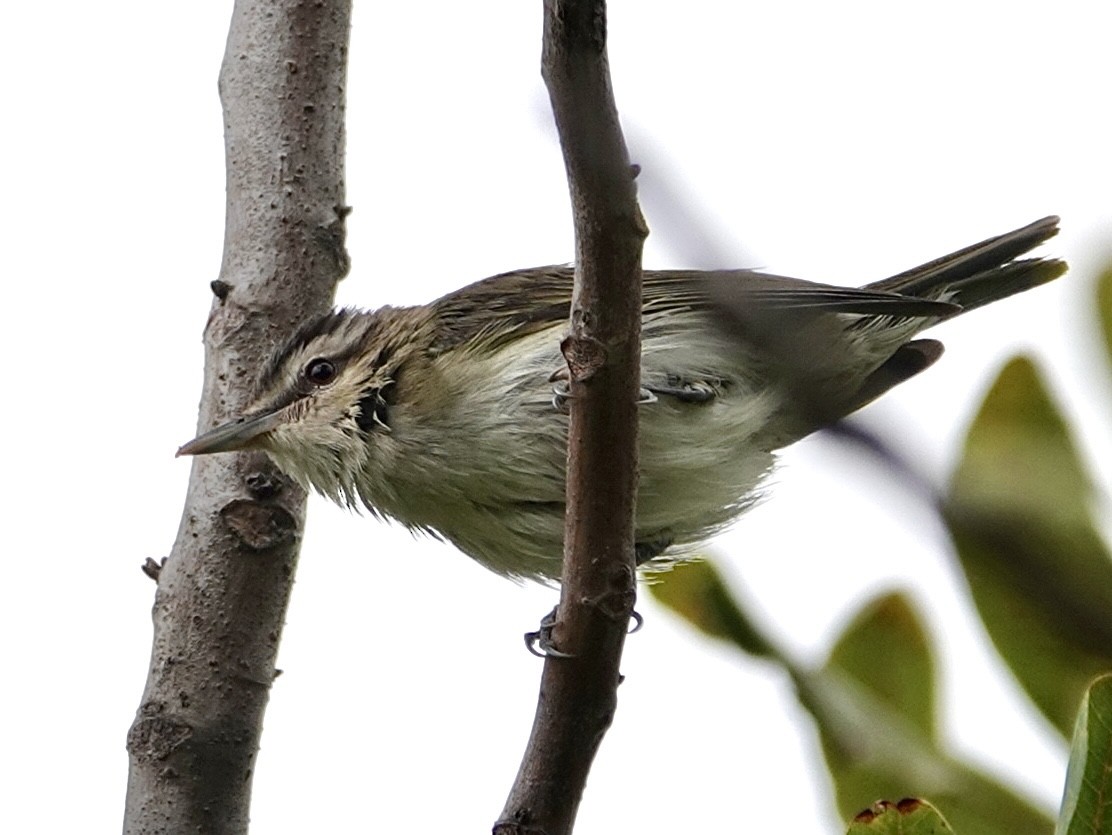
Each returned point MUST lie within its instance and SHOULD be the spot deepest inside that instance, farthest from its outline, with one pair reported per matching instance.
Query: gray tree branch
(579, 693)
(223, 592)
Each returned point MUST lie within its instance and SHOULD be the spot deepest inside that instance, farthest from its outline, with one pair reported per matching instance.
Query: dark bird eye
(320, 372)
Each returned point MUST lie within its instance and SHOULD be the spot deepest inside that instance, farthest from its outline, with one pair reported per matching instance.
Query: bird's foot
(540, 642)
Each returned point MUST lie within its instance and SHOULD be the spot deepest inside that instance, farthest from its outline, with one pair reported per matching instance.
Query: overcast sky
(837, 142)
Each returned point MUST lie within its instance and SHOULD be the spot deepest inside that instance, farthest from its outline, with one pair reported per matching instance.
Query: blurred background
(840, 143)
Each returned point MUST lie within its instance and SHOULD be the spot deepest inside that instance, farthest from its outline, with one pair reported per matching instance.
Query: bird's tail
(984, 272)
(969, 278)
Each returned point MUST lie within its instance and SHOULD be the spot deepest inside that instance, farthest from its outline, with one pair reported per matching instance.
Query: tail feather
(1005, 281)
(822, 363)
(983, 272)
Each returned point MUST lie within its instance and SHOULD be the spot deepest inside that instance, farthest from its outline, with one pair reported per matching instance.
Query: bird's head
(319, 402)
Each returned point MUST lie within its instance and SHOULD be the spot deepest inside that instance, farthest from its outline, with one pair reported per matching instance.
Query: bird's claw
(694, 391)
(561, 394)
(540, 642)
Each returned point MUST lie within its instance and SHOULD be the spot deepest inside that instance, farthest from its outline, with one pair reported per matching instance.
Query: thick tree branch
(222, 594)
(579, 694)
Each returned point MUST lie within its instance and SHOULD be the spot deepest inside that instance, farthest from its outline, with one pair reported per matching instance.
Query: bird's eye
(320, 372)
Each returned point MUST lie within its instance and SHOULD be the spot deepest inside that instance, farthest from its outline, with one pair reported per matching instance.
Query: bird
(451, 417)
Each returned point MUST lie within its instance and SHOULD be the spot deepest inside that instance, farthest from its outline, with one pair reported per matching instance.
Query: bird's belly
(512, 521)
(700, 467)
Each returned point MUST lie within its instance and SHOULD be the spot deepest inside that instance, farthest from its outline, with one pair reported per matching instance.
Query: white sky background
(837, 142)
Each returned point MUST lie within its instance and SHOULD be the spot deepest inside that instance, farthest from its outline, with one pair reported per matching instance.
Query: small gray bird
(450, 417)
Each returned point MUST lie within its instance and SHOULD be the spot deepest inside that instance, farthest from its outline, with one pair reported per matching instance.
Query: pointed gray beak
(238, 434)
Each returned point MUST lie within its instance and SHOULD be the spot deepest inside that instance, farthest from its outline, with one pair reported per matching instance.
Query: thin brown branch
(579, 693)
(222, 594)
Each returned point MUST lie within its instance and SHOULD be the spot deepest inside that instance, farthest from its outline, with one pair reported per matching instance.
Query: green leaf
(872, 751)
(1041, 576)
(873, 704)
(695, 591)
(1087, 803)
(1104, 308)
(886, 649)
(911, 816)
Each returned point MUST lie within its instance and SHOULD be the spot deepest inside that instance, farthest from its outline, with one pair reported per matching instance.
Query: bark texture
(222, 593)
(579, 693)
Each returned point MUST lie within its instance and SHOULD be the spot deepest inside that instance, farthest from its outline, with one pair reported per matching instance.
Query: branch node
(585, 355)
(521, 824)
(262, 485)
(333, 237)
(156, 735)
(152, 568)
(260, 527)
(617, 603)
(220, 289)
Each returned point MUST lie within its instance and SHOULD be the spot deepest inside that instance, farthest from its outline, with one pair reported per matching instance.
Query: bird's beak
(238, 434)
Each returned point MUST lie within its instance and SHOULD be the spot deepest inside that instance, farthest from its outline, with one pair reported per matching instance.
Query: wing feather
(493, 310)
